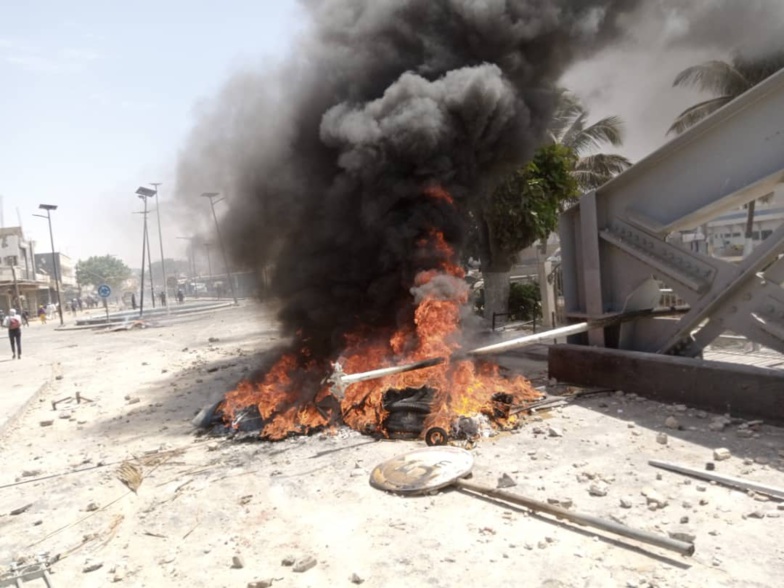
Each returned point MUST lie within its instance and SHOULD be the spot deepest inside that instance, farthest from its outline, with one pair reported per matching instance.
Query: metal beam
(732, 157)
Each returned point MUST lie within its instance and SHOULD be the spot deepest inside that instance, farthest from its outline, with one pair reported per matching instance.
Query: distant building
(66, 269)
(727, 233)
(19, 276)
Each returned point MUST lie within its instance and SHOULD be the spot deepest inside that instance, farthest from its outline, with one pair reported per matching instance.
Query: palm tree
(570, 127)
(726, 81)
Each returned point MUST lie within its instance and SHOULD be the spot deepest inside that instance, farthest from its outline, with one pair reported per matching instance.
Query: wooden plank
(721, 387)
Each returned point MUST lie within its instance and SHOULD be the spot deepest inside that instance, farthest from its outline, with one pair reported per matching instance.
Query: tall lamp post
(211, 196)
(49, 208)
(160, 238)
(144, 250)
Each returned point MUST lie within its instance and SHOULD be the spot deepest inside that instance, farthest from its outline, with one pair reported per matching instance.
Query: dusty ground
(205, 501)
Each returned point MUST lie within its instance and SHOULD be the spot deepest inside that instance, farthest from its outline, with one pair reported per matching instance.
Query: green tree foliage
(525, 301)
(725, 80)
(104, 269)
(526, 206)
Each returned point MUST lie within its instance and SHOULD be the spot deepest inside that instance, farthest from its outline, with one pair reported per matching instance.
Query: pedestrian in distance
(26, 318)
(14, 325)
(42, 314)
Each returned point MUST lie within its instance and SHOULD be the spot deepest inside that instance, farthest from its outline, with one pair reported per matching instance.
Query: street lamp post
(144, 254)
(49, 208)
(211, 196)
(160, 241)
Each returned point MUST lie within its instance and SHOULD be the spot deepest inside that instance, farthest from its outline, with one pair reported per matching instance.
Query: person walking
(14, 325)
(25, 318)
(42, 314)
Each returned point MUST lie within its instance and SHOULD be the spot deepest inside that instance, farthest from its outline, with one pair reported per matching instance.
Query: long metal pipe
(518, 342)
(719, 479)
(390, 371)
(574, 329)
(681, 547)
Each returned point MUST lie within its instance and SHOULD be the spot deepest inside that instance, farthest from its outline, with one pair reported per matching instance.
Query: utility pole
(144, 254)
(212, 196)
(160, 241)
(49, 208)
(149, 263)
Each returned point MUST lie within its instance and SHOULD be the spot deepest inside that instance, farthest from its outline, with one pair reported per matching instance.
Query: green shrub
(525, 302)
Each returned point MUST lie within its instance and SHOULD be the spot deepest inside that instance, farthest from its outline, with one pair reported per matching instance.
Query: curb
(27, 403)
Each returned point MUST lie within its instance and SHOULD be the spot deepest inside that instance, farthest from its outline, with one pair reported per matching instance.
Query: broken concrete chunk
(261, 583)
(91, 566)
(506, 481)
(672, 423)
(356, 579)
(237, 562)
(288, 561)
(682, 535)
(661, 438)
(598, 490)
(304, 564)
(721, 453)
(626, 503)
(554, 432)
(654, 499)
(47, 423)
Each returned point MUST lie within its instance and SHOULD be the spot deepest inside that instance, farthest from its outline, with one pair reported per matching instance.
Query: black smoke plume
(327, 162)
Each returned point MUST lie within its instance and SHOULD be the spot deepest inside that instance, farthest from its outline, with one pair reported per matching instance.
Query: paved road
(22, 378)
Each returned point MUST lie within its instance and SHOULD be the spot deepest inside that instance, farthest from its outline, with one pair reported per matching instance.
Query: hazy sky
(98, 96)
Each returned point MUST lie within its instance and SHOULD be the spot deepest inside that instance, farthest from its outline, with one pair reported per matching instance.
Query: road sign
(104, 291)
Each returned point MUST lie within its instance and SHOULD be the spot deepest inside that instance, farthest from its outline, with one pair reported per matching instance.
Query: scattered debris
(554, 432)
(721, 454)
(356, 579)
(304, 564)
(672, 423)
(661, 438)
(237, 562)
(261, 583)
(20, 510)
(130, 475)
(288, 561)
(47, 423)
(598, 490)
(682, 535)
(654, 500)
(91, 566)
(626, 503)
(506, 481)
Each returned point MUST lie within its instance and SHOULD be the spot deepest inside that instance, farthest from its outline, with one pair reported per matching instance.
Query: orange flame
(462, 387)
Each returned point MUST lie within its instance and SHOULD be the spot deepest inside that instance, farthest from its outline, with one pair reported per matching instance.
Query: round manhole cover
(422, 470)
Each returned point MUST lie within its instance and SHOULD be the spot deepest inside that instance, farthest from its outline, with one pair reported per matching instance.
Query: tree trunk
(749, 244)
(496, 270)
(496, 296)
